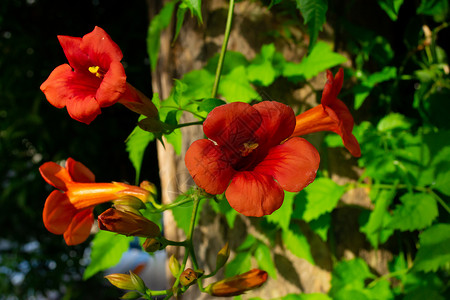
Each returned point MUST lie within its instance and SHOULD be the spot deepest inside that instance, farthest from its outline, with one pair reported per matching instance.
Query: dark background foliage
(32, 261)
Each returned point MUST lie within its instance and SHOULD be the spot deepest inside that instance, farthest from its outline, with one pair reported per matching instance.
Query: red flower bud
(127, 223)
(238, 284)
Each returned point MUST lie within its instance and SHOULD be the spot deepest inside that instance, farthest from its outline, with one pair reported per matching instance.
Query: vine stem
(224, 49)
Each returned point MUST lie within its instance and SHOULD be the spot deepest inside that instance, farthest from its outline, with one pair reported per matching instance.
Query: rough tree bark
(194, 46)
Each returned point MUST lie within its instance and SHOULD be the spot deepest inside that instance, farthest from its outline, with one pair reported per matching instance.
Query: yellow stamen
(95, 70)
(248, 148)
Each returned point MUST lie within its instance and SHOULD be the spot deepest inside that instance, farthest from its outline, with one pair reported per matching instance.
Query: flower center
(248, 148)
(96, 71)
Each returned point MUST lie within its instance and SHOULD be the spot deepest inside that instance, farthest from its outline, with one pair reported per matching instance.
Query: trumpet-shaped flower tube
(249, 157)
(331, 115)
(69, 209)
(94, 78)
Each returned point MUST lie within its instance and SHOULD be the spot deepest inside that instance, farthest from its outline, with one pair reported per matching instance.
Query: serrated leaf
(314, 15)
(136, 144)
(158, 24)
(107, 249)
(374, 228)
(434, 250)
(417, 211)
(264, 258)
(282, 216)
(241, 263)
(196, 8)
(349, 275)
(318, 60)
(296, 242)
(266, 66)
(318, 198)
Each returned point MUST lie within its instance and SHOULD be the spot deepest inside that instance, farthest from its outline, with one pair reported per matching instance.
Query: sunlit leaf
(107, 249)
(417, 211)
(282, 216)
(318, 198)
(296, 242)
(264, 258)
(241, 263)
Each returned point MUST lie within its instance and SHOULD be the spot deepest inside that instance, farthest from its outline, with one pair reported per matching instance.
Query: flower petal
(58, 212)
(207, 166)
(79, 172)
(253, 194)
(232, 125)
(332, 87)
(293, 164)
(56, 86)
(71, 47)
(83, 109)
(80, 227)
(113, 85)
(100, 48)
(55, 175)
(278, 122)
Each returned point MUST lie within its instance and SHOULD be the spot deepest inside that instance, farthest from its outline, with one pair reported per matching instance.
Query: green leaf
(391, 7)
(158, 24)
(296, 242)
(394, 121)
(416, 212)
(363, 90)
(107, 250)
(196, 8)
(374, 228)
(181, 12)
(266, 66)
(349, 275)
(282, 216)
(442, 182)
(434, 250)
(241, 263)
(313, 296)
(321, 225)
(175, 139)
(264, 258)
(236, 87)
(183, 213)
(314, 15)
(208, 104)
(318, 198)
(436, 8)
(136, 144)
(318, 60)
(223, 207)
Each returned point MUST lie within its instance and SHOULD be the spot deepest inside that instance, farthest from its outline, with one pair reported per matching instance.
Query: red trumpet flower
(94, 78)
(68, 210)
(248, 157)
(331, 115)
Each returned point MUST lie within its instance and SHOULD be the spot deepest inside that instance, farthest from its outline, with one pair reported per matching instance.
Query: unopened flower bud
(238, 284)
(188, 277)
(129, 204)
(131, 295)
(127, 223)
(174, 266)
(122, 281)
(151, 245)
(222, 256)
(138, 283)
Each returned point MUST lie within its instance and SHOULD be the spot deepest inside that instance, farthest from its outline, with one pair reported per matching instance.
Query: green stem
(162, 208)
(183, 109)
(387, 276)
(439, 199)
(224, 49)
